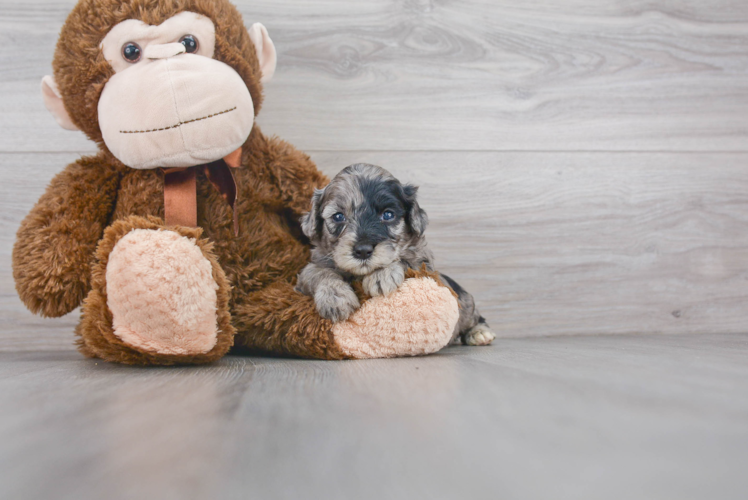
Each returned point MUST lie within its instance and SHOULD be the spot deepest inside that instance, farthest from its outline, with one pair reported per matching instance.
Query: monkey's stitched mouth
(178, 124)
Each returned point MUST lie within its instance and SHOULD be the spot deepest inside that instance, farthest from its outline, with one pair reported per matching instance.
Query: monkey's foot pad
(161, 292)
(418, 318)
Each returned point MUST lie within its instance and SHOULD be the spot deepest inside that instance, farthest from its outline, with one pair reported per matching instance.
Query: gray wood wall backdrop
(584, 164)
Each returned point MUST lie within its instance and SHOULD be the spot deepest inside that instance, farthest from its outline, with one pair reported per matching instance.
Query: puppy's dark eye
(131, 52)
(190, 43)
(388, 215)
(338, 217)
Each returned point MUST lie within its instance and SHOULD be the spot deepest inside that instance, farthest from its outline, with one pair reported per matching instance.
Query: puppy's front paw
(335, 301)
(480, 334)
(384, 281)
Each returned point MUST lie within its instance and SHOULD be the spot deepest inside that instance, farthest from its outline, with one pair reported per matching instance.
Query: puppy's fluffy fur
(366, 225)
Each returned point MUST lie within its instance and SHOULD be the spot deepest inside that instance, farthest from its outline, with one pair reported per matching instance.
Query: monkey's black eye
(338, 217)
(388, 215)
(190, 43)
(131, 52)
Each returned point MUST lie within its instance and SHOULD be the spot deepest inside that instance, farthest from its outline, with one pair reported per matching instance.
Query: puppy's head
(364, 219)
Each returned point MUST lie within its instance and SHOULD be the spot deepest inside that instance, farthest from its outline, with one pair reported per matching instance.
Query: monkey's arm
(416, 319)
(289, 177)
(57, 239)
(280, 320)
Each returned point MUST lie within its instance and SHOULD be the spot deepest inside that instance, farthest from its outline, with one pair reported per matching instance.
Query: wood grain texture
(549, 243)
(621, 417)
(457, 75)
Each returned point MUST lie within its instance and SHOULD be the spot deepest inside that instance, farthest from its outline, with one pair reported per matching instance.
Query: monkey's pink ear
(265, 50)
(53, 102)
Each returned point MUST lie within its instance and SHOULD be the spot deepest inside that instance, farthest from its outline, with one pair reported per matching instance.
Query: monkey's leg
(416, 319)
(158, 297)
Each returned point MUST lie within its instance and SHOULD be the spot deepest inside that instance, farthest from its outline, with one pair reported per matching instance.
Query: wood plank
(550, 244)
(457, 75)
(586, 418)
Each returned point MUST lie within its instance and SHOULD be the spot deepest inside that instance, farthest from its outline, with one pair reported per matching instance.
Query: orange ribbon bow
(180, 189)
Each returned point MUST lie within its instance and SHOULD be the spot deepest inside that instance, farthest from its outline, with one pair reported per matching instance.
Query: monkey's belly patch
(161, 292)
(178, 124)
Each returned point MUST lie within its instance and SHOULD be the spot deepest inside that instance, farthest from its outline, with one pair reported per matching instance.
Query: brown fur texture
(63, 245)
(55, 243)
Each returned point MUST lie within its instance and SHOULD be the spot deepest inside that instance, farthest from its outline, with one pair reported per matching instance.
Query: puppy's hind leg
(471, 328)
(480, 334)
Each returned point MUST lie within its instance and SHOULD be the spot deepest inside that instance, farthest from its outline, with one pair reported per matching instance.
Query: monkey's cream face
(170, 104)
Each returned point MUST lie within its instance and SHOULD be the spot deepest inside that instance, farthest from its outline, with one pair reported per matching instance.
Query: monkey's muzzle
(178, 111)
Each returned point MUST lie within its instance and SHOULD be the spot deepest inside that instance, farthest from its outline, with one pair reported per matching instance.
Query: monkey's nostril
(363, 251)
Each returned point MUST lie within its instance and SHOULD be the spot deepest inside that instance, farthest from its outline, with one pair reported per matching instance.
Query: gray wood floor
(645, 417)
(585, 167)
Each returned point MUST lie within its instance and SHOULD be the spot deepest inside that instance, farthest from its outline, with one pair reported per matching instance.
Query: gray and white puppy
(366, 224)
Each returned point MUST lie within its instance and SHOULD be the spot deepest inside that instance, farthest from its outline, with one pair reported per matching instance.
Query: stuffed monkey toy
(181, 236)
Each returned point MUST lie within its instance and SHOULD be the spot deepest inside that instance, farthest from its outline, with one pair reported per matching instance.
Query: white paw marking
(480, 334)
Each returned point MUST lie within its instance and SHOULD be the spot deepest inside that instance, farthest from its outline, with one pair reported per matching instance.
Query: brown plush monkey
(181, 236)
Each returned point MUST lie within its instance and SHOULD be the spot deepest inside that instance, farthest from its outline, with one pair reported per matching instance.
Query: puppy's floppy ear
(311, 222)
(416, 217)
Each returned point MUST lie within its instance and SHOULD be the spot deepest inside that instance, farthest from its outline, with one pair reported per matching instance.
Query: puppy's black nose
(363, 251)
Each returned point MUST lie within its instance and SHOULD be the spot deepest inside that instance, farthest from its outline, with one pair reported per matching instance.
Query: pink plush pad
(162, 294)
(417, 319)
